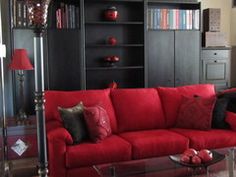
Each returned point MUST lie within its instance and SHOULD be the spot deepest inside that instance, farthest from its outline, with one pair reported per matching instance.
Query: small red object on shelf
(111, 13)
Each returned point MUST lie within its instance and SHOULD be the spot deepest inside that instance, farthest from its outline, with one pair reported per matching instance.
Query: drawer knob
(215, 53)
(215, 61)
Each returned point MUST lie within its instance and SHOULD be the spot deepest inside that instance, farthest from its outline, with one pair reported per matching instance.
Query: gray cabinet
(173, 58)
(215, 67)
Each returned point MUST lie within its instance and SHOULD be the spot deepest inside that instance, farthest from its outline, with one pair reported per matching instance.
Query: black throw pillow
(218, 118)
(73, 121)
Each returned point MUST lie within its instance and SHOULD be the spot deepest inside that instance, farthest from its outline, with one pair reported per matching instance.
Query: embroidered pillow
(98, 123)
(231, 119)
(195, 113)
(73, 121)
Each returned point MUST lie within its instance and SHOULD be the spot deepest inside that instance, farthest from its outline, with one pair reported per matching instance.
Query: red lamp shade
(20, 60)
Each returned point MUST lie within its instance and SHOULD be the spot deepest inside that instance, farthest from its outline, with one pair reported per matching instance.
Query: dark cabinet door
(160, 58)
(187, 57)
(64, 60)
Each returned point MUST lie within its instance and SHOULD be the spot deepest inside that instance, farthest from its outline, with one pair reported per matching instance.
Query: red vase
(111, 14)
(112, 40)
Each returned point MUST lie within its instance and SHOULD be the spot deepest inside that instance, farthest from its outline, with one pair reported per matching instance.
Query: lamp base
(22, 118)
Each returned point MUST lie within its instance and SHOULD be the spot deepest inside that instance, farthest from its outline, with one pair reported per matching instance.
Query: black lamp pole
(38, 15)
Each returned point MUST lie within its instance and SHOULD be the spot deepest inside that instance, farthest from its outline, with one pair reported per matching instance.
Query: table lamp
(20, 62)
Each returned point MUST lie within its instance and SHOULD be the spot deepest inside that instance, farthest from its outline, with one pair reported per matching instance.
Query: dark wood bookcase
(128, 29)
(173, 52)
(74, 56)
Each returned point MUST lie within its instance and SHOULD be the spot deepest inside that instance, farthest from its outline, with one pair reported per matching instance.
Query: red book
(58, 17)
(177, 19)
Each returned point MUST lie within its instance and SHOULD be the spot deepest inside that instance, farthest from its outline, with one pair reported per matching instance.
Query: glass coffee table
(164, 167)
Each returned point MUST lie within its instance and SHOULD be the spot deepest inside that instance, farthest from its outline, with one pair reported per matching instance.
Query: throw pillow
(231, 119)
(218, 118)
(73, 121)
(195, 113)
(98, 123)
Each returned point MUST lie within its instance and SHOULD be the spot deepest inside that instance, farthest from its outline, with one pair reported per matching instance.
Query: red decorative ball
(112, 40)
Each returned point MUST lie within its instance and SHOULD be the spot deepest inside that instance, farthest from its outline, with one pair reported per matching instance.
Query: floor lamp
(37, 11)
(5, 167)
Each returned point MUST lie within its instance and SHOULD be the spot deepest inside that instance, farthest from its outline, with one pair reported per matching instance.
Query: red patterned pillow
(98, 123)
(231, 120)
(195, 113)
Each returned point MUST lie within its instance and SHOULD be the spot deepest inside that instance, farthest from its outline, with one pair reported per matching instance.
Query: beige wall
(233, 26)
(226, 8)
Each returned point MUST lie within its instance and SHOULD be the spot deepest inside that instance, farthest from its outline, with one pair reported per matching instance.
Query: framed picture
(234, 3)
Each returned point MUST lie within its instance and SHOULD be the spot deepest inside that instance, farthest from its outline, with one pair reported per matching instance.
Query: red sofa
(142, 122)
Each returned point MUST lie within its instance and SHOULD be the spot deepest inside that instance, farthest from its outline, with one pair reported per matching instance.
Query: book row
(173, 19)
(20, 14)
(67, 16)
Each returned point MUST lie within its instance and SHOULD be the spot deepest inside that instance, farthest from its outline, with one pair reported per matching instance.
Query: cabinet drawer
(215, 54)
(14, 142)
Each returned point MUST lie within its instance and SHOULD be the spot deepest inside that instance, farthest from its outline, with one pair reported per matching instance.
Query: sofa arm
(58, 139)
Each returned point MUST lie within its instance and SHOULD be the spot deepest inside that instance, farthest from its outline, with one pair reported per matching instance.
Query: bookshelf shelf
(115, 68)
(114, 23)
(115, 46)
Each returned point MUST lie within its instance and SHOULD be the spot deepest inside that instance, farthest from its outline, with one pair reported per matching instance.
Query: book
(58, 19)
(24, 14)
(19, 13)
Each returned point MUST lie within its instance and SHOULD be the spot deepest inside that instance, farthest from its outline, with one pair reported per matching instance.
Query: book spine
(151, 19)
(155, 19)
(174, 17)
(164, 18)
(24, 11)
(190, 19)
(167, 19)
(66, 16)
(184, 19)
(171, 19)
(19, 14)
(196, 24)
(59, 17)
(77, 17)
(158, 18)
(177, 19)
(14, 13)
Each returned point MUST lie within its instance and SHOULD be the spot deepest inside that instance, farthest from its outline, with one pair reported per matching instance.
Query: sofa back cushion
(171, 98)
(137, 109)
(64, 99)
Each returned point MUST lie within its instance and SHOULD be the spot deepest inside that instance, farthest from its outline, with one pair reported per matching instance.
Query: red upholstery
(211, 139)
(171, 98)
(71, 98)
(141, 118)
(111, 149)
(58, 139)
(97, 122)
(195, 113)
(154, 143)
(137, 109)
(82, 172)
(231, 120)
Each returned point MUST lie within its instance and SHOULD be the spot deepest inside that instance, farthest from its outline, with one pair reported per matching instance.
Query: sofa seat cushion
(111, 149)
(66, 99)
(151, 143)
(171, 98)
(211, 139)
(82, 172)
(137, 109)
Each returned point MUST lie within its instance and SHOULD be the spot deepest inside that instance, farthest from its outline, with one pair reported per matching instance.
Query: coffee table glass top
(164, 167)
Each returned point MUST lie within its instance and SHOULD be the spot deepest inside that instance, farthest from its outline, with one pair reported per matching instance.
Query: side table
(22, 147)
